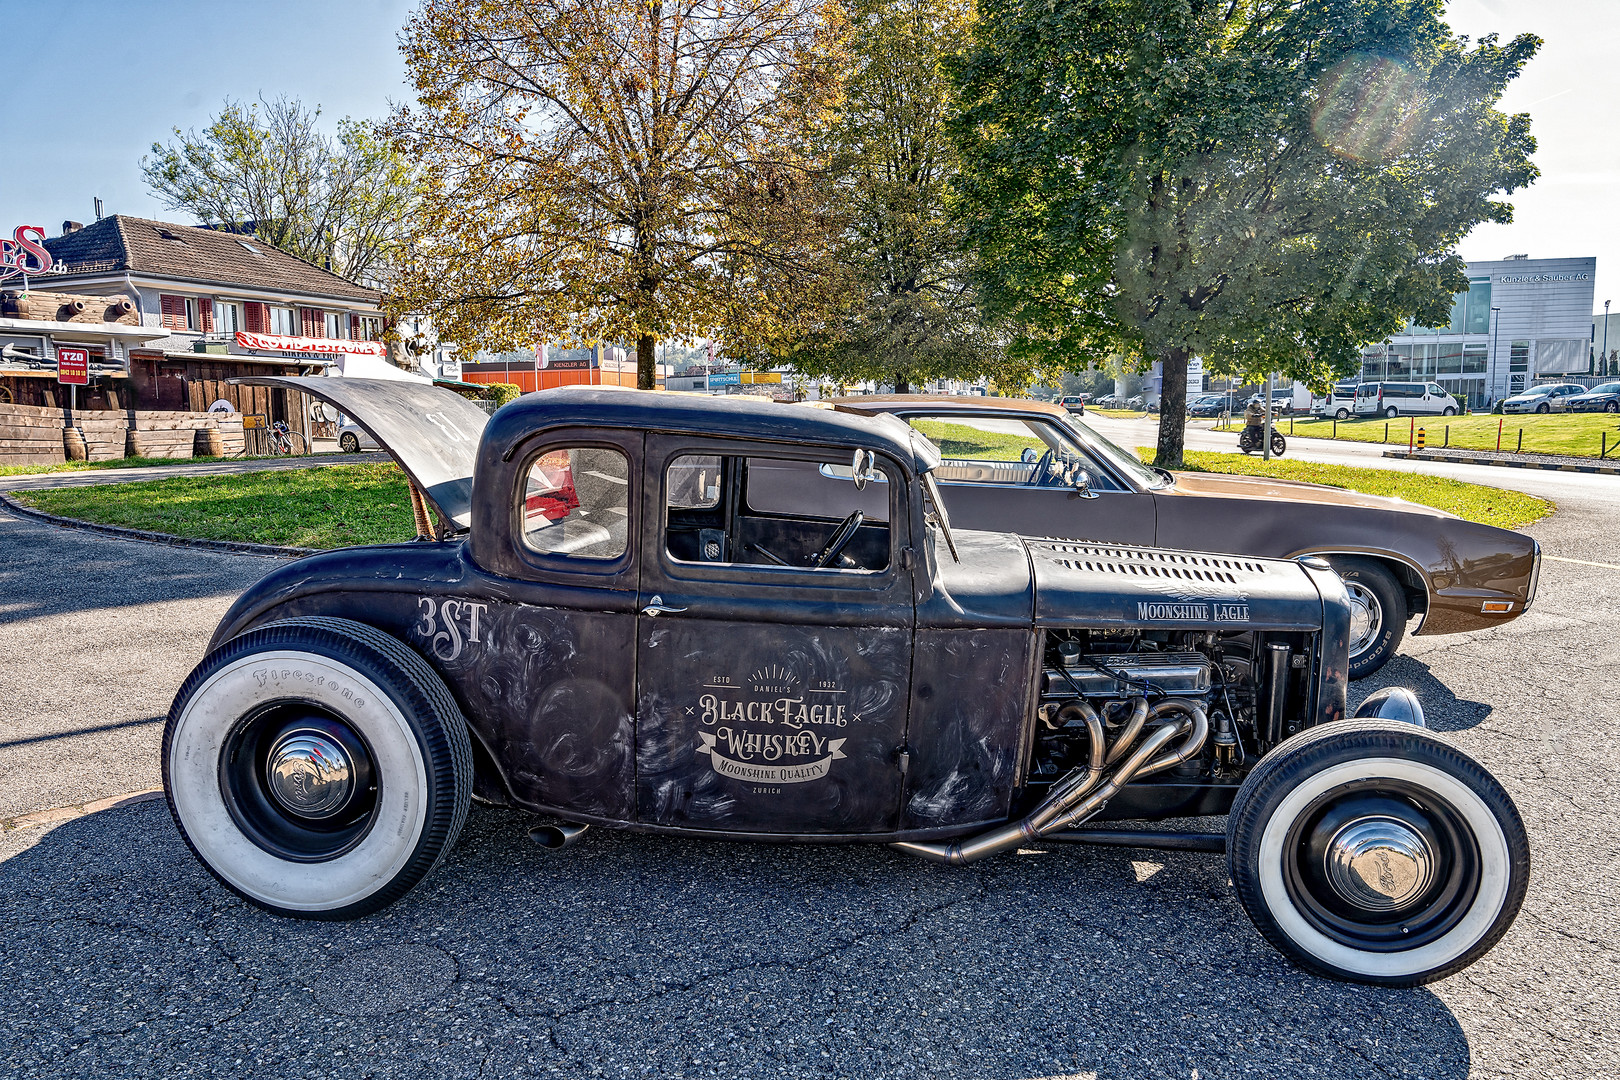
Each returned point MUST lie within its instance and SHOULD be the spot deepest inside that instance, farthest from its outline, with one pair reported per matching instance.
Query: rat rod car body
(1397, 558)
(740, 620)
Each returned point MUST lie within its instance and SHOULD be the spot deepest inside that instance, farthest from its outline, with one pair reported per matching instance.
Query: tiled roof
(187, 253)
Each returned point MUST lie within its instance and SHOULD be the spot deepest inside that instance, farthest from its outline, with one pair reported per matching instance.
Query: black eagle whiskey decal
(770, 729)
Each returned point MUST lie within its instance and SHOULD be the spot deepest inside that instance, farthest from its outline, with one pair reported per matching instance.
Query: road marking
(68, 813)
(1581, 562)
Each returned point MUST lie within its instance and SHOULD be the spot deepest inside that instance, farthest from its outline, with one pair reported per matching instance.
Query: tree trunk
(647, 363)
(901, 385)
(1173, 409)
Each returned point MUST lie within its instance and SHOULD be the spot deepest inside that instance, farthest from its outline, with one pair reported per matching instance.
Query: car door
(989, 481)
(771, 694)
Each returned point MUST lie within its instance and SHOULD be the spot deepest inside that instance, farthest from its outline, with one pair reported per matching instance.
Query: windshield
(1124, 461)
(1606, 388)
(934, 512)
(1539, 391)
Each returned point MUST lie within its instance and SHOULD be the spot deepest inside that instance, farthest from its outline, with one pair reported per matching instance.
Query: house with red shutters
(232, 305)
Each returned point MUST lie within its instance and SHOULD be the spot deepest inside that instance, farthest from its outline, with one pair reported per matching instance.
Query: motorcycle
(1254, 420)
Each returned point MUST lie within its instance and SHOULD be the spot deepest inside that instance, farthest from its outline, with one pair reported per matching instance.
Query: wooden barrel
(73, 444)
(208, 443)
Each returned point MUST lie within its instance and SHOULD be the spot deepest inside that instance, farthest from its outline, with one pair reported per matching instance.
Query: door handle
(656, 607)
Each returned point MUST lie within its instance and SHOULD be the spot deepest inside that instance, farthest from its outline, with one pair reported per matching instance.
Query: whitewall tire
(317, 767)
(1372, 851)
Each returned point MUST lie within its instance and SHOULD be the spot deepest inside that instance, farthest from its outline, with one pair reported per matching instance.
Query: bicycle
(281, 438)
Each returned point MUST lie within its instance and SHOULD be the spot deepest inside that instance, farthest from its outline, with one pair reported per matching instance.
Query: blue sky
(115, 77)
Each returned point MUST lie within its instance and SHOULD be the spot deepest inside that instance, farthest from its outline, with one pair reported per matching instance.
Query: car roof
(888, 403)
(739, 417)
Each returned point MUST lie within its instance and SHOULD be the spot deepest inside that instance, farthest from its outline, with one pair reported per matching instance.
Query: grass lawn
(1577, 434)
(1473, 502)
(326, 507)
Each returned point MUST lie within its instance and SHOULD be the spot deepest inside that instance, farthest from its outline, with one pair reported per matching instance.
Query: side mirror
(859, 466)
(1082, 484)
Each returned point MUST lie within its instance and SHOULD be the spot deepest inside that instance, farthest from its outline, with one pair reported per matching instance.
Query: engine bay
(1251, 686)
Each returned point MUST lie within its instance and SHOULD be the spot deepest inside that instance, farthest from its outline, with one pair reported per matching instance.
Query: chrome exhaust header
(1078, 795)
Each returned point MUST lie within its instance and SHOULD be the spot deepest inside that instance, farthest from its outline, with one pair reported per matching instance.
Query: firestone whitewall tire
(268, 835)
(1478, 879)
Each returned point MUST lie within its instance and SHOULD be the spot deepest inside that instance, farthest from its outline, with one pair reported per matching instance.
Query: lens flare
(1367, 107)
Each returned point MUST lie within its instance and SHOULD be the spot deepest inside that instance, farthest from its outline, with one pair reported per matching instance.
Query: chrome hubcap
(309, 774)
(1366, 617)
(1379, 864)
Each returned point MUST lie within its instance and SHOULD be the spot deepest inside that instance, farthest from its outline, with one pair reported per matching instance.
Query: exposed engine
(1134, 680)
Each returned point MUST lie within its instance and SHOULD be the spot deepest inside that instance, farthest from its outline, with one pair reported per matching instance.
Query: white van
(1404, 399)
(1338, 403)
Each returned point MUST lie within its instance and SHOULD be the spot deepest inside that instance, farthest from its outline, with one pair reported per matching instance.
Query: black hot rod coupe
(748, 621)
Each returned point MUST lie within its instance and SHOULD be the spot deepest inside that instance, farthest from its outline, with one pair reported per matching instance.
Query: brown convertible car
(1029, 467)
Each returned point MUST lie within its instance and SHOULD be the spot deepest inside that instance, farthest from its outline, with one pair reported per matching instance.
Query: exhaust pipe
(558, 836)
(1073, 799)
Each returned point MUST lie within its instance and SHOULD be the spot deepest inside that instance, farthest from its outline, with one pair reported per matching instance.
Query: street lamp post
(1491, 364)
(1603, 358)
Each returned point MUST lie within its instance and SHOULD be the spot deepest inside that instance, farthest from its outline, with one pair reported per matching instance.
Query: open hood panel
(431, 432)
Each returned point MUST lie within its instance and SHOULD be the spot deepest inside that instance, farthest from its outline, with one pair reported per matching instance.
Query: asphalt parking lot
(641, 956)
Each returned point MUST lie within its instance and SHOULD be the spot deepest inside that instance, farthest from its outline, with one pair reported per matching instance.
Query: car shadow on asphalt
(652, 956)
(48, 570)
(1443, 710)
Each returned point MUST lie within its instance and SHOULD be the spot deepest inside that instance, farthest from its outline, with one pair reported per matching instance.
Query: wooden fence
(32, 435)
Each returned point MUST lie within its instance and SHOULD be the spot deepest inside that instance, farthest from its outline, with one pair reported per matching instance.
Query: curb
(229, 547)
(1467, 459)
(68, 813)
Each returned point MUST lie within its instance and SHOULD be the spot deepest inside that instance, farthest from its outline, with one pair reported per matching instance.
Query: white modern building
(1521, 320)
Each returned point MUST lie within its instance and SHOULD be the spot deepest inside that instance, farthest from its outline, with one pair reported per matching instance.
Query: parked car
(1075, 403)
(758, 624)
(1207, 405)
(1605, 397)
(352, 438)
(1338, 403)
(1548, 397)
(1392, 399)
(1107, 401)
(1282, 402)
(1134, 402)
(1398, 559)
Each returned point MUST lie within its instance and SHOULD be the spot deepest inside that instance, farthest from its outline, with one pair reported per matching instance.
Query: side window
(1434, 388)
(576, 503)
(978, 450)
(787, 512)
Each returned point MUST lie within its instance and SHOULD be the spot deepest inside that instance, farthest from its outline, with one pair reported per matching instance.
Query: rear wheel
(1342, 414)
(317, 767)
(1378, 613)
(1392, 412)
(350, 443)
(1372, 851)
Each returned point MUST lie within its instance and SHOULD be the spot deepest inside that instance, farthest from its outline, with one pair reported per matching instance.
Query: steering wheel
(839, 540)
(1037, 475)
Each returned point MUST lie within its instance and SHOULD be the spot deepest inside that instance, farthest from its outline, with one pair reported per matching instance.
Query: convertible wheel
(1372, 851)
(1377, 613)
(350, 443)
(317, 767)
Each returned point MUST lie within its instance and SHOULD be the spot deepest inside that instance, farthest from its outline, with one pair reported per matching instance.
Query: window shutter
(314, 322)
(205, 315)
(258, 318)
(174, 312)
(354, 328)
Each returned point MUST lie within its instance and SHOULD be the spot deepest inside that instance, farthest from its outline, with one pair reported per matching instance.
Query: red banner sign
(330, 346)
(24, 253)
(73, 366)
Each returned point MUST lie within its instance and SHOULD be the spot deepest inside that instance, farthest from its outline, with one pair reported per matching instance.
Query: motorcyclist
(1254, 430)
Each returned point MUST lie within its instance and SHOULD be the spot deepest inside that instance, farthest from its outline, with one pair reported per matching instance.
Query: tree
(1269, 184)
(583, 158)
(338, 202)
(905, 309)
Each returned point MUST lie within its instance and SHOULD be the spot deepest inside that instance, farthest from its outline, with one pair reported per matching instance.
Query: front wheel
(350, 443)
(1610, 406)
(1372, 851)
(317, 767)
(1448, 411)
(1279, 445)
(1542, 408)
(1378, 613)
